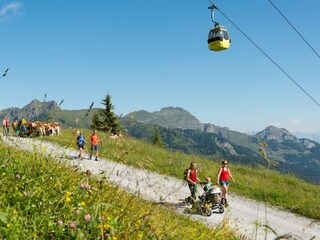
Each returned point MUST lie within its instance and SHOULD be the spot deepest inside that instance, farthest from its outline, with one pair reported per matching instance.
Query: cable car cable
(264, 53)
(295, 29)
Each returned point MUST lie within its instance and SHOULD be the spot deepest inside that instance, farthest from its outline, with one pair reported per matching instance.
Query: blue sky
(152, 54)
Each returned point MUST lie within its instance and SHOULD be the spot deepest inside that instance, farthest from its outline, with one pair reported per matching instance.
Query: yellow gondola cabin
(219, 39)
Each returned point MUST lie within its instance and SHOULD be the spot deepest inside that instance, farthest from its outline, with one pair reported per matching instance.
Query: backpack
(185, 174)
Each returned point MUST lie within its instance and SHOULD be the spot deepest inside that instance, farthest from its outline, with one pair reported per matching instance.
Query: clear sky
(151, 54)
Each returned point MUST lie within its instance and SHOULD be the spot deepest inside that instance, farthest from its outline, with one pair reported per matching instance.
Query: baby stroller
(212, 198)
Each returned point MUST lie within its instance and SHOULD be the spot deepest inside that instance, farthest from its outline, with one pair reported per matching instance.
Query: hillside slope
(286, 152)
(243, 214)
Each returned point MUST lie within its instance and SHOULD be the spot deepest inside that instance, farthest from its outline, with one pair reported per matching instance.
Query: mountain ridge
(281, 148)
(182, 131)
(143, 116)
(50, 111)
(182, 118)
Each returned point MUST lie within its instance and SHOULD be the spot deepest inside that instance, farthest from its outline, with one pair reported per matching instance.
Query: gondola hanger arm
(212, 7)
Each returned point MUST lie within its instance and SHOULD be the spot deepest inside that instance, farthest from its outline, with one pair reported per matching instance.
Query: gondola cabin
(219, 39)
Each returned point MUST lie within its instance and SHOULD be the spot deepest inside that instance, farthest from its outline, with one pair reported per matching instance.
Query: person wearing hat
(81, 141)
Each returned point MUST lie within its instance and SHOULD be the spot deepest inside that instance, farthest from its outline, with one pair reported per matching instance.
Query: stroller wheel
(208, 212)
(221, 208)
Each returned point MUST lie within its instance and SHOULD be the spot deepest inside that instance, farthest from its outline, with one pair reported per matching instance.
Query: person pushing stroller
(192, 180)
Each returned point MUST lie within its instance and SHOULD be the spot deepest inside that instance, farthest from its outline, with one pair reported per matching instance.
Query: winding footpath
(253, 220)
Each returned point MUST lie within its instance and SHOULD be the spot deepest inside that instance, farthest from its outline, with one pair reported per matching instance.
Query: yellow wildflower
(8, 225)
(68, 199)
(82, 204)
(106, 226)
(68, 193)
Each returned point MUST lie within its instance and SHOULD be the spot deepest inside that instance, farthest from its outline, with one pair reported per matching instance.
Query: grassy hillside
(294, 157)
(257, 183)
(73, 118)
(42, 199)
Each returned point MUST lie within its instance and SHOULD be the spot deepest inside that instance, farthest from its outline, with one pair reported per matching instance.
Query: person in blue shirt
(81, 141)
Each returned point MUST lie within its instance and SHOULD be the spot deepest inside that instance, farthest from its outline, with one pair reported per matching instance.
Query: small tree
(105, 119)
(157, 140)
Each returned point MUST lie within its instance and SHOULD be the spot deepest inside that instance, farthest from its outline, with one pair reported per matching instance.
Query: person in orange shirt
(94, 140)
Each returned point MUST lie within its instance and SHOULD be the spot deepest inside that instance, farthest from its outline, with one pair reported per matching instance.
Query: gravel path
(247, 216)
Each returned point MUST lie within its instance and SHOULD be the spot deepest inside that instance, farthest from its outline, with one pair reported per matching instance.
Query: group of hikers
(223, 176)
(94, 142)
(17, 126)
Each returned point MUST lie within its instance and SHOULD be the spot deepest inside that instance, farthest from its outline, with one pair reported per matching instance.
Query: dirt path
(247, 216)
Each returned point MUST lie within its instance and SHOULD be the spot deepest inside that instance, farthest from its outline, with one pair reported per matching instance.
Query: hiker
(7, 127)
(192, 180)
(81, 141)
(4, 123)
(223, 179)
(94, 140)
(23, 126)
(15, 126)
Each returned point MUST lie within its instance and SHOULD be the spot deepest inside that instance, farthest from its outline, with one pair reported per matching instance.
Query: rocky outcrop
(278, 134)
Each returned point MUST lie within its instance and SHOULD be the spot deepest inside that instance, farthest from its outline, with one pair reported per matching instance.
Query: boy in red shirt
(94, 140)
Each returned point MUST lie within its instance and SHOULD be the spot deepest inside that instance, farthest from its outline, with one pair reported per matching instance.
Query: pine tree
(157, 140)
(105, 119)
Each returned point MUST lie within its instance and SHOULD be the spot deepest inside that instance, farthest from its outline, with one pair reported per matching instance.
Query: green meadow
(262, 184)
(44, 199)
(41, 198)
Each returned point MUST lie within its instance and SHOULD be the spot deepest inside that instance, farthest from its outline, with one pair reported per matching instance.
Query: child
(207, 185)
(80, 142)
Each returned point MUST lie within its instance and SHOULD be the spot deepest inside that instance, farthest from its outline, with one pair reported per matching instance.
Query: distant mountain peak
(35, 103)
(174, 109)
(171, 117)
(278, 134)
(33, 110)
